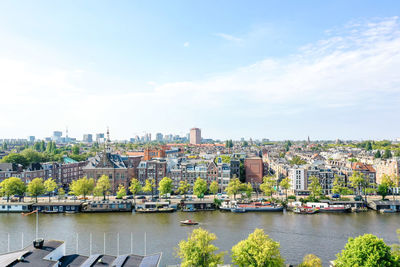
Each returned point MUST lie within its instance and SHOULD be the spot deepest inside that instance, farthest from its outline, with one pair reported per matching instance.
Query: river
(320, 234)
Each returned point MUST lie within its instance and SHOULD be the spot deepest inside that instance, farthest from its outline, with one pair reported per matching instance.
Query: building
(152, 169)
(195, 136)
(150, 153)
(298, 179)
(31, 139)
(56, 136)
(389, 167)
(100, 137)
(159, 137)
(88, 138)
(254, 171)
(366, 169)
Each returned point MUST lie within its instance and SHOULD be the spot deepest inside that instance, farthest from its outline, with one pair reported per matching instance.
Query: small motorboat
(189, 222)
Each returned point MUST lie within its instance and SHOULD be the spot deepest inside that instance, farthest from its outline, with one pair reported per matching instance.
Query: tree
(315, 187)
(198, 250)
(50, 186)
(200, 187)
(396, 247)
(310, 260)
(368, 146)
(357, 180)
(258, 250)
(165, 186)
(378, 154)
(389, 182)
(149, 186)
(285, 184)
(82, 187)
(366, 250)
(183, 188)
(32, 156)
(339, 186)
(214, 188)
(121, 191)
(15, 158)
(61, 193)
(234, 187)
(268, 185)
(248, 189)
(36, 188)
(296, 160)
(387, 154)
(103, 185)
(12, 186)
(383, 190)
(75, 150)
(135, 188)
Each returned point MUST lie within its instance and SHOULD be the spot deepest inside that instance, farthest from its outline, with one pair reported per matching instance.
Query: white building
(297, 176)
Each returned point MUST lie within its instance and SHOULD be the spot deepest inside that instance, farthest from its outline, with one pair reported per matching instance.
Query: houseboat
(200, 205)
(385, 206)
(15, 207)
(107, 206)
(57, 207)
(305, 210)
(260, 206)
(153, 207)
(325, 207)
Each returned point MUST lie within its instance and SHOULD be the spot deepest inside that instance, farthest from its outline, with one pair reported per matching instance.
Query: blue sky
(273, 69)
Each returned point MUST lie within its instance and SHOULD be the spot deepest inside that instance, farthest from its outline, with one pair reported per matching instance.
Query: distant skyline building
(159, 137)
(56, 136)
(195, 136)
(31, 138)
(99, 137)
(88, 138)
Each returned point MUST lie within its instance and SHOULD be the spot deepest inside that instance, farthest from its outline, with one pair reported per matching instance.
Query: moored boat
(336, 208)
(238, 210)
(257, 206)
(189, 222)
(305, 210)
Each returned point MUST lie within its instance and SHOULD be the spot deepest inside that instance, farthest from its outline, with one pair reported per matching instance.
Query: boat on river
(189, 222)
(325, 207)
(238, 210)
(305, 210)
(259, 206)
(155, 210)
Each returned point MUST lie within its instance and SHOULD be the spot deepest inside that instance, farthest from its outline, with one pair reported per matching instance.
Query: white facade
(297, 179)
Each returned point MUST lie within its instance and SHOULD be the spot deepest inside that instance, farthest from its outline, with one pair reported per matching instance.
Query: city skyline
(281, 71)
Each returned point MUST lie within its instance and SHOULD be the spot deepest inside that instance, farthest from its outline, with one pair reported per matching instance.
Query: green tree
(387, 154)
(310, 260)
(82, 187)
(285, 184)
(36, 188)
(149, 186)
(368, 146)
(234, 187)
(248, 189)
(382, 190)
(12, 186)
(339, 186)
(135, 188)
(357, 181)
(15, 158)
(50, 186)
(61, 193)
(296, 160)
(366, 250)
(75, 150)
(200, 187)
(258, 250)
(214, 188)
(315, 187)
(103, 185)
(121, 191)
(183, 188)
(198, 250)
(396, 247)
(378, 154)
(165, 186)
(268, 185)
(32, 156)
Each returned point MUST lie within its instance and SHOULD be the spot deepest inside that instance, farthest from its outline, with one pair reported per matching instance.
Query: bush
(292, 197)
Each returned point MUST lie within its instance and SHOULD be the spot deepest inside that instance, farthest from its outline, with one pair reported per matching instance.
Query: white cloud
(186, 44)
(355, 69)
(229, 37)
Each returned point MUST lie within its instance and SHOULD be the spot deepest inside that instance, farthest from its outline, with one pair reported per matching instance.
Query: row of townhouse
(301, 176)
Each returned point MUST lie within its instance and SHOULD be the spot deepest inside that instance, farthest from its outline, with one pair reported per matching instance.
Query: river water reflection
(320, 234)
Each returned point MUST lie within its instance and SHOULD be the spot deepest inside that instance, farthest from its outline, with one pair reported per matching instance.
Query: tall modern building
(87, 138)
(56, 136)
(159, 137)
(100, 137)
(195, 136)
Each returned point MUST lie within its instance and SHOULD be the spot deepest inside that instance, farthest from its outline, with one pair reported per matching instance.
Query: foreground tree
(366, 250)
(121, 191)
(82, 187)
(103, 185)
(183, 188)
(12, 186)
(198, 251)
(234, 187)
(135, 188)
(285, 185)
(50, 186)
(310, 260)
(200, 187)
(268, 185)
(36, 188)
(149, 186)
(165, 186)
(213, 188)
(258, 250)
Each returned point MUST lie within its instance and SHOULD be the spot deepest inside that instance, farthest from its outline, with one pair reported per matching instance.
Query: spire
(108, 141)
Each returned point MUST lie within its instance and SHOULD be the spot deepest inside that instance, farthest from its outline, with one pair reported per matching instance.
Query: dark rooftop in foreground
(52, 254)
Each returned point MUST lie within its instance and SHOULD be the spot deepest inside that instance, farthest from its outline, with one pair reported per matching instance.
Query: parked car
(140, 197)
(128, 197)
(73, 198)
(335, 196)
(358, 198)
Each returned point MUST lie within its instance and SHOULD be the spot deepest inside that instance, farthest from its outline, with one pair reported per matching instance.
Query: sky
(254, 69)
